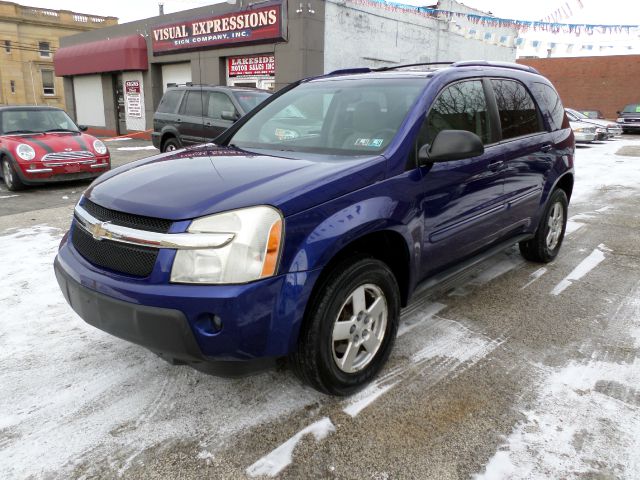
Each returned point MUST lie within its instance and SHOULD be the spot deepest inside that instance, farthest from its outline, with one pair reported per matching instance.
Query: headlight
(26, 152)
(601, 130)
(99, 147)
(252, 254)
(620, 120)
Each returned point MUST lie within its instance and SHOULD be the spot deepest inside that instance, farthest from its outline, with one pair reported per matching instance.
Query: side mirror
(226, 115)
(619, 113)
(451, 145)
(83, 128)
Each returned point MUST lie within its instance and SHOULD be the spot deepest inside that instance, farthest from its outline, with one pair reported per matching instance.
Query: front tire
(546, 243)
(349, 328)
(10, 176)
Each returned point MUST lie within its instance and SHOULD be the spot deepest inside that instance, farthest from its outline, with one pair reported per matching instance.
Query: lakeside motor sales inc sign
(250, 26)
(252, 65)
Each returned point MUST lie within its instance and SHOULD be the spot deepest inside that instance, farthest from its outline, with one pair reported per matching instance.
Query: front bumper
(628, 126)
(582, 137)
(45, 172)
(260, 320)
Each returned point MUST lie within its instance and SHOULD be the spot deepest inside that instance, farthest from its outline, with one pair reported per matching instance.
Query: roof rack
(407, 65)
(190, 84)
(487, 63)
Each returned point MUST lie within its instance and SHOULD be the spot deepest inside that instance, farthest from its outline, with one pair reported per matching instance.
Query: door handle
(178, 120)
(546, 148)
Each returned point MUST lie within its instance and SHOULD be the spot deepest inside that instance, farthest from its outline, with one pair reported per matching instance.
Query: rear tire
(171, 144)
(349, 328)
(10, 176)
(546, 243)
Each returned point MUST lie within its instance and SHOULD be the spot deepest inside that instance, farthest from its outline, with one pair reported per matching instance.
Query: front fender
(315, 237)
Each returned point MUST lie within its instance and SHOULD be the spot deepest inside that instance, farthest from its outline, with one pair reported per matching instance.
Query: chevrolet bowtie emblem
(98, 231)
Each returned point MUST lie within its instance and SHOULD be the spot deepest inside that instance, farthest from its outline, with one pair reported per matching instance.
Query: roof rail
(190, 84)
(486, 63)
(345, 71)
(394, 67)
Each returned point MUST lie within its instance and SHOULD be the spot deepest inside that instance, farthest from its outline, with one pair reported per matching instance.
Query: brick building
(593, 83)
(28, 39)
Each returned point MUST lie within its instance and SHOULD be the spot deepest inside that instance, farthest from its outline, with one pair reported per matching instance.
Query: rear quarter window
(550, 103)
(170, 101)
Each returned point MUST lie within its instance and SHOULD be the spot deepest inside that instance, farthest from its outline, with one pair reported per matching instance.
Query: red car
(43, 144)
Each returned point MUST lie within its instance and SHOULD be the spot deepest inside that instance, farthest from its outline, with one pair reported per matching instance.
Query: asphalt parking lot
(512, 370)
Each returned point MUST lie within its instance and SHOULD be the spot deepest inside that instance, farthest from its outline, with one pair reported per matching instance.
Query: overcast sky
(594, 11)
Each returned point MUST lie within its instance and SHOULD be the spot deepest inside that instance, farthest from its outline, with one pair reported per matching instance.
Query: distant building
(29, 38)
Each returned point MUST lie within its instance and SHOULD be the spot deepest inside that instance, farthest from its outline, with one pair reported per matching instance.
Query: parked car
(191, 114)
(593, 114)
(306, 246)
(42, 145)
(605, 129)
(629, 118)
(583, 132)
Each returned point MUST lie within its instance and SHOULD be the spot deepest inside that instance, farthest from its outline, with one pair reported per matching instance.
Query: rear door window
(517, 110)
(193, 103)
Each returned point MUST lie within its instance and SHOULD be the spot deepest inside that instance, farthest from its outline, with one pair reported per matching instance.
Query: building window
(45, 49)
(7, 46)
(13, 86)
(48, 82)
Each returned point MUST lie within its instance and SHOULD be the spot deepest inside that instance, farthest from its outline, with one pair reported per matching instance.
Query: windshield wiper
(20, 131)
(61, 130)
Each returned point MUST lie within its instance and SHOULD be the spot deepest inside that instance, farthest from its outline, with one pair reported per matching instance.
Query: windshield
(577, 114)
(250, 100)
(35, 121)
(633, 108)
(338, 116)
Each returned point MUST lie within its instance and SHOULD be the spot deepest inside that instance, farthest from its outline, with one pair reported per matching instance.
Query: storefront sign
(133, 98)
(250, 26)
(262, 65)
(132, 86)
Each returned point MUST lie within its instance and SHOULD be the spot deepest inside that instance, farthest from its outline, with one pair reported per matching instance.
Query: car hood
(599, 123)
(44, 143)
(199, 181)
(575, 125)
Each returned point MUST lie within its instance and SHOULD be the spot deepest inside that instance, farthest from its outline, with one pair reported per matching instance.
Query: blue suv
(307, 226)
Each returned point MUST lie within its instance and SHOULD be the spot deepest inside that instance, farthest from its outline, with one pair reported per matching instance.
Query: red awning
(113, 55)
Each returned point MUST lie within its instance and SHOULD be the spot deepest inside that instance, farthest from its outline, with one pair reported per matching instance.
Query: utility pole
(161, 8)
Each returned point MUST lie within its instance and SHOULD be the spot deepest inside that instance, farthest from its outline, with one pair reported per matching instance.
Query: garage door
(175, 73)
(87, 91)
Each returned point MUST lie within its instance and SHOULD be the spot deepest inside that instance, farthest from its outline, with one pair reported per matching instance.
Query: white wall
(89, 100)
(175, 73)
(358, 35)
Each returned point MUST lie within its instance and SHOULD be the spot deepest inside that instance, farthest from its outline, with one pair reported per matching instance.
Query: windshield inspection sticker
(369, 142)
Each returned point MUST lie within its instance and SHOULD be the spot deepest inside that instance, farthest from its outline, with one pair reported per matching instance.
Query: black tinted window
(170, 101)
(551, 103)
(193, 103)
(218, 103)
(518, 115)
(461, 106)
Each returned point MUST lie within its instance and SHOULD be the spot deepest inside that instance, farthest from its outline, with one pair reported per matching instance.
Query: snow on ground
(71, 393)
(598, 167)
(586, 420)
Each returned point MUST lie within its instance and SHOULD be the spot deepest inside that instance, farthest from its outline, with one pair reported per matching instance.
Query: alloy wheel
(555, 223)
(359, 328)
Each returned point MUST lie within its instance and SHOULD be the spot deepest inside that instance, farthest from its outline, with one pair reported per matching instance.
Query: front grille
(65, 156)
(119, 257)
(138, 222)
